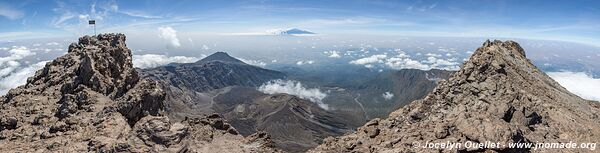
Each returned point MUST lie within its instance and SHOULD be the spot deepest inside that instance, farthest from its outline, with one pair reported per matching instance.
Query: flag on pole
(93, 23)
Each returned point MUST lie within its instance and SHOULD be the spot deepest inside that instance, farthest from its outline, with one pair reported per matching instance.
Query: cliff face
(364, 94)
(497, 96)
(92, 99)
(222, 84)
(295, 124)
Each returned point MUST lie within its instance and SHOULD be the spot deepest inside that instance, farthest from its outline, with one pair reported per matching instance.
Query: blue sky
(568, 20)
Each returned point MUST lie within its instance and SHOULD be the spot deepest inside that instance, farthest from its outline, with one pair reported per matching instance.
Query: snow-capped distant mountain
(291, 31)
(279, 32)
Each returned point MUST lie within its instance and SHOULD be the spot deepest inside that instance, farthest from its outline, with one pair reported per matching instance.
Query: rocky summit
(92, 100)
(497, 96)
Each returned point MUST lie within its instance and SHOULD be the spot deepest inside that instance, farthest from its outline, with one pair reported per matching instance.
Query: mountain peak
(102, 63)
(298, 31)
(509, 45)
(93, 98)
(290, 31)
(220, 56)
(112, 39)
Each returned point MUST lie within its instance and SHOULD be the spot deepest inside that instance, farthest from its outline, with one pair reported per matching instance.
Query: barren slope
(497, 96)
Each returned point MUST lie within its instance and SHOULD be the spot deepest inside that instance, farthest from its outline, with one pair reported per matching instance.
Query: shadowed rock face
(406, 85)
(497, 96)
(216, 71)
(92, 100)
(294, 124)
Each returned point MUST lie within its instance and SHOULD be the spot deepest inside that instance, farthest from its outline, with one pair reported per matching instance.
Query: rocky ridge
(93, 100)
(497, 96)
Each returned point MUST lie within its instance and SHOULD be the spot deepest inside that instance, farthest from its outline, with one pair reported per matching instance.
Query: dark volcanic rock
(294, 124)
(92, 100)
(220, 56)
(216, 71)
(413, 84)
(187, 86)
(497, 96)
(407, 85)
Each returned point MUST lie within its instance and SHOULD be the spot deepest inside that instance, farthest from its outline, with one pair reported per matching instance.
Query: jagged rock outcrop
(497, 96)
(93, 100)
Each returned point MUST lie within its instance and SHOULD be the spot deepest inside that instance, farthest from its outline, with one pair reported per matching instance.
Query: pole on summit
(93, 23)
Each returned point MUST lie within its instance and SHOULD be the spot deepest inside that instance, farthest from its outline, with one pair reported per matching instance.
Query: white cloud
(405, 63)
(433, 55)
(139, 14)
(258, 63)
(52, 44)
(11, 72)
(19, 77)
(10, 12)
(205, 47)
(578, 83)
(388, 95)
(343, 21)
(295, 88)
(305, 62)
(16, 53)
(170, 35)
(9, 68)
(371, 59)
(442, 63)
(154, 60)
(65, 14)
(333, 54)
(73, 18)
